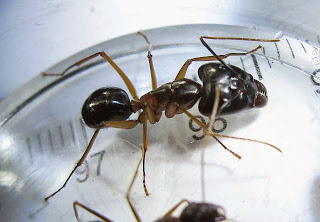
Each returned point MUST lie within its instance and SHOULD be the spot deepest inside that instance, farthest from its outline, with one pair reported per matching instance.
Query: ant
(111, 106)
(193, 212)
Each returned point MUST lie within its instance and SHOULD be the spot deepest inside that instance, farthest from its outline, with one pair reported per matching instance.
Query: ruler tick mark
(256, 65)
(61, 135)
(72, 132)
(265, 56)
(50, 140)
(30, 150)
(290, 48)
(303, 47)
(242, 64)
(278, 52)
(40, 143)
(84, 132)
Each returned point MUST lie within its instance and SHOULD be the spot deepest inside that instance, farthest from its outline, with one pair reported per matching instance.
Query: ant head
(238, 89)
(204, 212)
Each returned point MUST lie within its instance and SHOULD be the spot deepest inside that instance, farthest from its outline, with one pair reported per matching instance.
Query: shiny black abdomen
(106, 104)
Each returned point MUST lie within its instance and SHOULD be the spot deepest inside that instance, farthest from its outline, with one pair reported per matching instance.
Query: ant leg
(205, 141)
(144, 151)
(126, 124)
(182, 72)
(152, 72)
(83, 157)
(215, 135)
(76, 203)
(124, 77)
(175, 207)
(241, 39)
(115, 124)
(135, 213)
(230, 38)
(207, 129)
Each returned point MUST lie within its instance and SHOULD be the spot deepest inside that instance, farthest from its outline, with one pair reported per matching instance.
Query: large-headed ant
(193, 212)
(111, 106)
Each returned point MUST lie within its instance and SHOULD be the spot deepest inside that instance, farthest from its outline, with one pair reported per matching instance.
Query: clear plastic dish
(42, 136)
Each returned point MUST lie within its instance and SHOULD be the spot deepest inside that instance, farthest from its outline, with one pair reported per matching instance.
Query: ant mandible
(111, 106)
(193, 212)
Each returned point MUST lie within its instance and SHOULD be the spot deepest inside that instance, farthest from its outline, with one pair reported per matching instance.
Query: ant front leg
(240, 38)
(207, 130)
(181, 74)
(128, 124)
(215, 135)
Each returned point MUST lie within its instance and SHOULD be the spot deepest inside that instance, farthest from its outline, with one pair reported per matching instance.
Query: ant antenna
(205, 141)
(220, 60)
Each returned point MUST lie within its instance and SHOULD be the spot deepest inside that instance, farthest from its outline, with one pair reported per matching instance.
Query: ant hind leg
(128, 124)
(77, 204)
(104, 55)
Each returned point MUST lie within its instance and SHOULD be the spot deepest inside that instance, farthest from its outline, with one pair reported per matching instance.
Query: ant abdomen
(106, 104)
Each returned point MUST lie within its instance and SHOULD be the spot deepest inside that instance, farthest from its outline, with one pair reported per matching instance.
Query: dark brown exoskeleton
(193, 212)
(111, 106)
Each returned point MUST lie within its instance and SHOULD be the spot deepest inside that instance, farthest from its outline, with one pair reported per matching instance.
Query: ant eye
(222, 214)
(234, 84)
(222, 67)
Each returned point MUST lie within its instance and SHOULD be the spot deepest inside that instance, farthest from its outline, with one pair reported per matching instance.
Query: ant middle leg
(128, 124)
(97, 214)
(104, 55)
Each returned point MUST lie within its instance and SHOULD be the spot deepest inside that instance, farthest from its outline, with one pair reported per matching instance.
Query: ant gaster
(111, 106)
